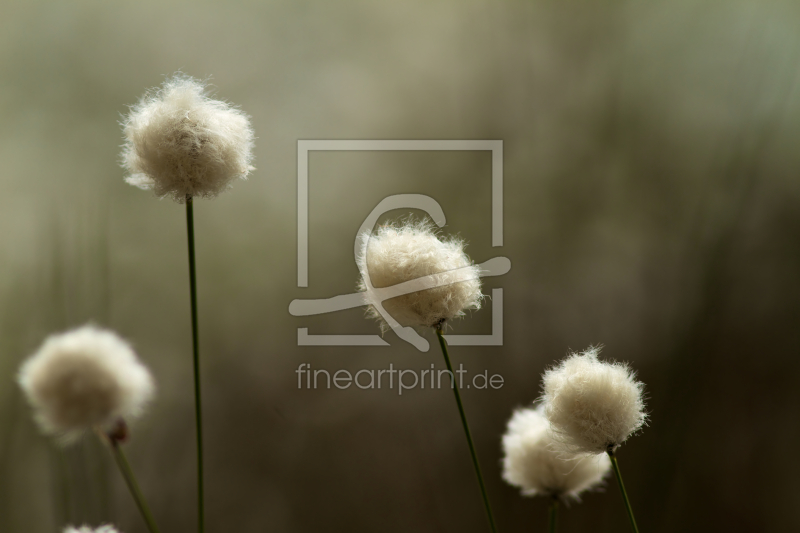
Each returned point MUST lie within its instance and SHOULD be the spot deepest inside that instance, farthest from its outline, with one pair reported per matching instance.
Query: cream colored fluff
(83, 378)
(531, 463)
(180, 143)
(411, 250)
(87, 529)
(591, 404)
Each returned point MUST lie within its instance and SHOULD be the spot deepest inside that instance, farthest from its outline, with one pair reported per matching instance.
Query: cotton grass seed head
(181, 143)
(409, 250)
(87, 529)
(533, 464)
(84, 378)
(593, 406)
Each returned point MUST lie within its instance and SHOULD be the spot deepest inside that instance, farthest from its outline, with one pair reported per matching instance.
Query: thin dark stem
(62, 480)
(472, 451)
(622, 489)
(133, 486)
(552, 515)
(196, 360)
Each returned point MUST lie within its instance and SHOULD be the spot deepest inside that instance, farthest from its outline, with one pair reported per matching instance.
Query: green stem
(622, 489)
(196, 360)
(551, 522)
(472, 451)
(63, 488)
(133, 486)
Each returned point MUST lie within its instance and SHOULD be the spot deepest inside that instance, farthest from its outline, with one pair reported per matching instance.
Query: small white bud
(531, 463)
(398, 253)
(181, 143)
(84, 378)
(592, 405)
(87, 529)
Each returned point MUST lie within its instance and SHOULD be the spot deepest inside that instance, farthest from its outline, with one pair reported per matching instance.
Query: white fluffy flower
(592, 405)
(179, 142)
(411, 250)
(83, 378)
(532, 464)
(87, 529)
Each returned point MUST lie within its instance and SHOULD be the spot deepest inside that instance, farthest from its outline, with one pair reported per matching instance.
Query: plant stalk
(196, 361)
(552, 515)
(622, 489)
(472, 451)
(133, 486)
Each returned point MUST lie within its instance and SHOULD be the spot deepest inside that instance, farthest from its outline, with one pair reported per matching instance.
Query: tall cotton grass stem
(552, 515)
(198, 411)
(472, 451)
(615, 466)
(133, 486)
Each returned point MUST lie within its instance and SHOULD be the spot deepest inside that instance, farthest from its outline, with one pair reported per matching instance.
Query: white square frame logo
(304, 147)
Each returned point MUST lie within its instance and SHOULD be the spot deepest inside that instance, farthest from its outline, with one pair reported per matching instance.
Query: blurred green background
(652, 186)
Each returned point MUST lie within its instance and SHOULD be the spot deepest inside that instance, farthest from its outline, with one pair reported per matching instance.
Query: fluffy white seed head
(179, 142)
(84, 378)
(532, 463)
(87, 529)
(591, 404)
(410, 250)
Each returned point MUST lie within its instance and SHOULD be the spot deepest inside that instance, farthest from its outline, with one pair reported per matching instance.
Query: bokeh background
(652, 194)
